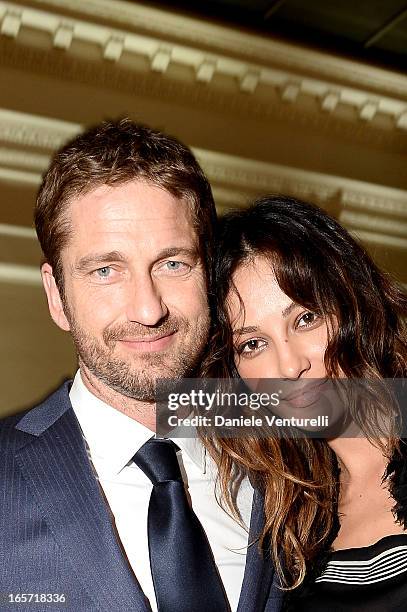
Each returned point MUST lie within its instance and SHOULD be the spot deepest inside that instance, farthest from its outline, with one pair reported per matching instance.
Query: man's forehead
(138, 213)
(136, 191)
(134, 201)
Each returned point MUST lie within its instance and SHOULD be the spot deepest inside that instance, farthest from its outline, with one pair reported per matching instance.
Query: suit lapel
(53, 460)
(259, 570)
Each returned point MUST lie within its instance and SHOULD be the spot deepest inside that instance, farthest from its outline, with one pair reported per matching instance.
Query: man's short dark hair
(113, 153)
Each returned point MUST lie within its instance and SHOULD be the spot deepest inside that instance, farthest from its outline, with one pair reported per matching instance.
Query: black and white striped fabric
(368, 579)
(362, 571)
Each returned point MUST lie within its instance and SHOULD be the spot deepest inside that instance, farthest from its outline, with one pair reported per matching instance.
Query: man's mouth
(148, 344)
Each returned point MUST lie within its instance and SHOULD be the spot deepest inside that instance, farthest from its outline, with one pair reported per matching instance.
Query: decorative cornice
(375, 199)
(16, 231)
(246, 176)
(375, 238)
(197, 96)
(170, 26)
(376, 224)
(380, 212)
(19, 246)
(19, 274)
(303, 86)
(21, 177)
(34, 131)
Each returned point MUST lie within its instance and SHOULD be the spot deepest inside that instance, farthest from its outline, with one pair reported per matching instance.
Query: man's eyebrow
(94, 259)
(174, 251)
(246, 330)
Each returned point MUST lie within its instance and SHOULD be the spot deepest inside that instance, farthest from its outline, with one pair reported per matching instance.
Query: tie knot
(158, 460)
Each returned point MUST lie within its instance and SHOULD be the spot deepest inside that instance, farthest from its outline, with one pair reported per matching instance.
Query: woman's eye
(251, 346)
(307, 319)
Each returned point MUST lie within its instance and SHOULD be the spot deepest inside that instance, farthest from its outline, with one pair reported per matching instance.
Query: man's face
(135, 293)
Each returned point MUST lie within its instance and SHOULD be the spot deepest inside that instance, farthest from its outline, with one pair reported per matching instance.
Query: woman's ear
(55, 304)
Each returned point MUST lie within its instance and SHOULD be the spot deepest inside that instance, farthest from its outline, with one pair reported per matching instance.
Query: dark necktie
(184, 573)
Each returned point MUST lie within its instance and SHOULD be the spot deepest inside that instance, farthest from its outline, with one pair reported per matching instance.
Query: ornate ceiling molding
(135, 49)
(380, 212)
(229, 41)
(17, 232)
(34, 131)
(18, 274)
(209, 99)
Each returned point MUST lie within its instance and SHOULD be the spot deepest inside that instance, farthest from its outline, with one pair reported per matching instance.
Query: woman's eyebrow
(253, 328)
(246, 330)
(288, 309)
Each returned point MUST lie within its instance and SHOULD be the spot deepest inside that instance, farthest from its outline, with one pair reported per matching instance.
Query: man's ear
(55, 305)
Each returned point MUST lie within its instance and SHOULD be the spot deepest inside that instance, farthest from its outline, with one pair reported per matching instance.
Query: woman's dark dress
(367, 579)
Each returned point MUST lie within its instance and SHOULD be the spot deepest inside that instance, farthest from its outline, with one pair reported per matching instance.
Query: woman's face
(274, 337)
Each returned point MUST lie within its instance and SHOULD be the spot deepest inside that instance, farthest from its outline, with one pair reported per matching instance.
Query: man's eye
(251, 346)
(307, 319)
(103, 272)
(176, 266)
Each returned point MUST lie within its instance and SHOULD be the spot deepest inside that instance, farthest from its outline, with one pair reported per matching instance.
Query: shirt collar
(115, 437)
(195, 450)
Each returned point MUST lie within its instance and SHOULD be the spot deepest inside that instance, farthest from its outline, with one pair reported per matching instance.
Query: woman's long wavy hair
(321, 267)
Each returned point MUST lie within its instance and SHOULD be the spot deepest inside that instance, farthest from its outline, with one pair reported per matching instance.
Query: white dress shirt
(113, 438)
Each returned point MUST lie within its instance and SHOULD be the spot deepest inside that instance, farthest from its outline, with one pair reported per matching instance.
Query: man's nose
(144, 302)
(292, 359)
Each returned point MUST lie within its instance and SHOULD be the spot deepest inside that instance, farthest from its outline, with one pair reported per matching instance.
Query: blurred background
(307, 98)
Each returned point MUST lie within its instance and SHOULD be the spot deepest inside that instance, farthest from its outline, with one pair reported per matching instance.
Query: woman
(298, 298)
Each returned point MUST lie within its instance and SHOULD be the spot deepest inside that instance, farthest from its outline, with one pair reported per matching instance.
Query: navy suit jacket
(56, 532)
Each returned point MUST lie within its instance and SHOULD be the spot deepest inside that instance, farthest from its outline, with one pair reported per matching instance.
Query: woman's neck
(360, 461)
(365, 506)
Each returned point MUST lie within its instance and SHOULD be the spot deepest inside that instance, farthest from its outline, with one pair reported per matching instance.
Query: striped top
(367, 579)
(364, 566)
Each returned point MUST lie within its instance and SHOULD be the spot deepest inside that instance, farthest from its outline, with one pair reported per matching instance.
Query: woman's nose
(292, 360)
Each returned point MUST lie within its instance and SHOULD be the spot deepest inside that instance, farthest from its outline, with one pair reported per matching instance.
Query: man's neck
(143, 412)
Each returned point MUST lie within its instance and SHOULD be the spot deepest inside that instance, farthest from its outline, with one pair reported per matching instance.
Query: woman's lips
(308, 395)
(148, 345)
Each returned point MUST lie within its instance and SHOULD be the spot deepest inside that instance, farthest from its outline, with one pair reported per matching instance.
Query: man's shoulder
(38, 417)
(11, 421)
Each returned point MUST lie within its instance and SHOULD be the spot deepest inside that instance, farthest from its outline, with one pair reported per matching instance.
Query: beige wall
(262, 116)
(36, 355)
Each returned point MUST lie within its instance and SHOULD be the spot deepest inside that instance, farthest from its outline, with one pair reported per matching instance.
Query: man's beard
(136, 377)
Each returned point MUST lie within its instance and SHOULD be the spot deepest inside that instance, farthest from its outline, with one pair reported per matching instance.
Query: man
(92, 519)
